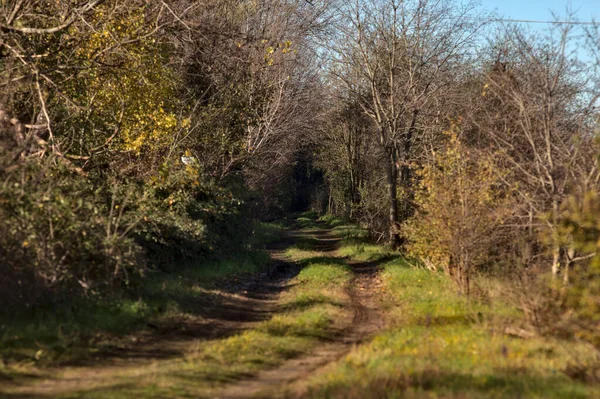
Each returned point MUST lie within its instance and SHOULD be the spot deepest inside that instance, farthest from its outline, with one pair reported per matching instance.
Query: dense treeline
(139, 135)
(473, 147)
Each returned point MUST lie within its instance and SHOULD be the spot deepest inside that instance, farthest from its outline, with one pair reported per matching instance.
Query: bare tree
(345, 142)
(538, 113)
(250, 69)
(396, 57)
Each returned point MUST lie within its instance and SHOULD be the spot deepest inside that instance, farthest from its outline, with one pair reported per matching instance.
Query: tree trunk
(569, 256)
(405, 210)
(555, 260)
(556, 247)
(353, 192)
(392, 185)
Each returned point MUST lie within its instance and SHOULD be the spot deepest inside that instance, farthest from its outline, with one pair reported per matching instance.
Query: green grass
(356, 244)
(324, 271)
(214, 363)
(307, 221)
(297, 254)
(443, 345)
(438, 344)
(309, 299)
(307, 243)
(349, 231)
(365, 252)
(266, 233)
(333, 221)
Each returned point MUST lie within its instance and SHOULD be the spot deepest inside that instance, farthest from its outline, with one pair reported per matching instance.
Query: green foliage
(103, 86)
(63, 235)
(94, 121)
(189, 216)
(66, 234)
(581, 225)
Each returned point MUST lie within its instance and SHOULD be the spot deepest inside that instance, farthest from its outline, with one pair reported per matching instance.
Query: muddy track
(365, 320)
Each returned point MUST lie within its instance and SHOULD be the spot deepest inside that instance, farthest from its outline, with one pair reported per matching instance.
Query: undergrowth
(74, 328)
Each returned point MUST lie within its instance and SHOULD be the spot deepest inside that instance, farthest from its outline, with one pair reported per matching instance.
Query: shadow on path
(366, 320)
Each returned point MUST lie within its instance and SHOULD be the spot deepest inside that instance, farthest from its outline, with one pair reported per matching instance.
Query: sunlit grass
(350, 231)
(444, 345)
(311, 298)
(364, 252)
(356, 244)
(214, 363)
(310, 310)
(324, 271)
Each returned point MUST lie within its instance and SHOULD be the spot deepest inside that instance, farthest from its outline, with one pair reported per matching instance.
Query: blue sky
(541, 9)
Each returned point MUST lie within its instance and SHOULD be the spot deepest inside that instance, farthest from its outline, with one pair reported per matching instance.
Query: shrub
(461, 206)
(60, 233)
(581, 225)
(189, 217)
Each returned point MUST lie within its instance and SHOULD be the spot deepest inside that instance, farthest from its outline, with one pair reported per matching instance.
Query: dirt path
(226, 310)
(366, 320)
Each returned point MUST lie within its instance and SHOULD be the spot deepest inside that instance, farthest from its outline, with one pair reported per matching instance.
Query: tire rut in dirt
(366, 321)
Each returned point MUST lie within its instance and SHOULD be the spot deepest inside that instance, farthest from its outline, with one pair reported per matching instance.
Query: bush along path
(333, 316)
